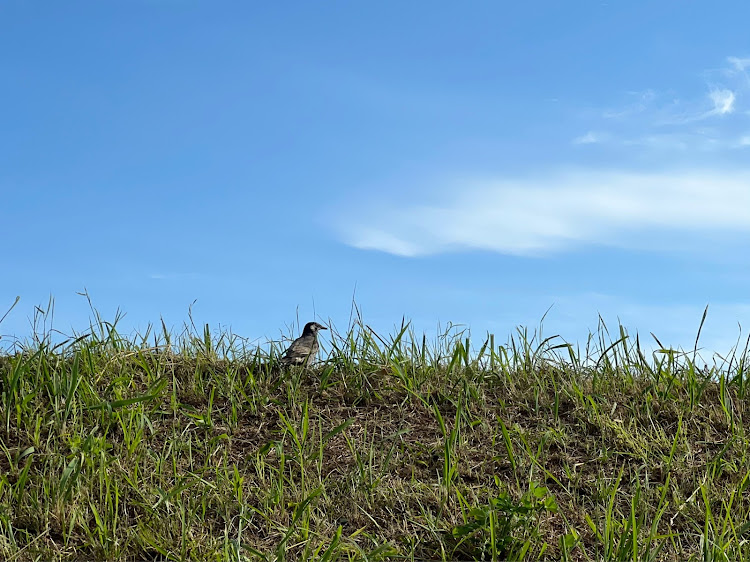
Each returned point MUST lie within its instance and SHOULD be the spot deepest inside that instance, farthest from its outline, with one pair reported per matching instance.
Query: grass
(196, 447)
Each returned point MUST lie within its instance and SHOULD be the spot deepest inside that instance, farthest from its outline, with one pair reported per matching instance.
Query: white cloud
(739, 67)
(706, 121)
(560, 212)
(723, 101)
(566, 210)
(726, 90)
(374, 238)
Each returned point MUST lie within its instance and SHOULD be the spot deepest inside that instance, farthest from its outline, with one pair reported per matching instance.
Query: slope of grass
(196, 447)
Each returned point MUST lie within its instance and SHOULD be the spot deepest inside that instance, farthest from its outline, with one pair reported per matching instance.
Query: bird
(305, 348)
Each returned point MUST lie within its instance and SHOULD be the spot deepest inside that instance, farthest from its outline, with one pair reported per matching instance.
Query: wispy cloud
(591, 137)
(702, 140)
(716, 102)
(561, 212)
(723, 102)
(739, 68)
(720, 98)
(739, 64)
(713, 119)
(565, 210)
(640, 102)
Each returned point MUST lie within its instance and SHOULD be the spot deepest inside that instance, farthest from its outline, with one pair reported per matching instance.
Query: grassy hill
(196, 447)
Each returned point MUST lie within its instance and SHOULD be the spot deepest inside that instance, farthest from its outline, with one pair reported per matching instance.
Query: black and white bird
(305, 348)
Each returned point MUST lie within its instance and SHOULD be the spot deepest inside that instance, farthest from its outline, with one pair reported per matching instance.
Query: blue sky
(474, 163)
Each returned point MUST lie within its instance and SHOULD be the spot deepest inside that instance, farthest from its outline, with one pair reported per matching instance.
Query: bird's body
(304, 349)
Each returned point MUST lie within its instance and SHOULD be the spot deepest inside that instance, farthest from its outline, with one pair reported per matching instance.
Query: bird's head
(312, 328)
